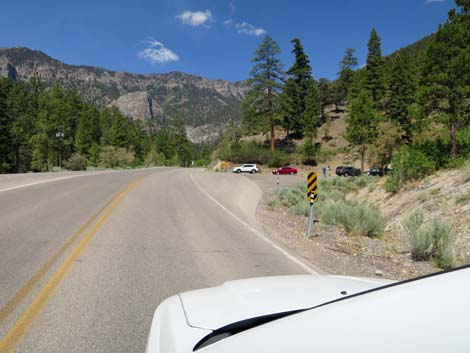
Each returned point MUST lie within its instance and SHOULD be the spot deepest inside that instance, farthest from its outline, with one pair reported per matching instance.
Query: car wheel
(346, 174)
(239, 171)
(253, 171)
(291, 173)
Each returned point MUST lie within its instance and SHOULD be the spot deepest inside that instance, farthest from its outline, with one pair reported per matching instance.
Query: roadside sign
(312, 186)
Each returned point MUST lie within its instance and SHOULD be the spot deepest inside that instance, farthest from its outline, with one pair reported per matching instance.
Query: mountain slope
(198, 100)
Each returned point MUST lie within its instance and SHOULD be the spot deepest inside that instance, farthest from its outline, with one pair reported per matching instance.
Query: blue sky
(215, 39)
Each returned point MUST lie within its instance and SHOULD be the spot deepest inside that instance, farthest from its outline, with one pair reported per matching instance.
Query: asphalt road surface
(85, 261)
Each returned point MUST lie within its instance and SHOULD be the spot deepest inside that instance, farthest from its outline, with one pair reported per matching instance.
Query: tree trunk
(453, 138)
(17, 159)
(362, 151)
(271, 118)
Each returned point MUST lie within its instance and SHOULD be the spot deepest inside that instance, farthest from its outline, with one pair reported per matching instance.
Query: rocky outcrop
(207, 133)
(139, 105)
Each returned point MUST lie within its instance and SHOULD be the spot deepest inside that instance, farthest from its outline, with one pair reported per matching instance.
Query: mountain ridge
(198, 100)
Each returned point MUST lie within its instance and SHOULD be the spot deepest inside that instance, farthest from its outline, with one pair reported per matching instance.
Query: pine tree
(5, 126)
(362, 122)
(401, 93)
(345, 76)
(262, 104)
(297, 87)
(311, 115)
(374, 70)
(446, 72)
(325, 96)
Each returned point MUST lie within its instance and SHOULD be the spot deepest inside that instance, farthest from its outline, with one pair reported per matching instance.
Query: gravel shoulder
(334, 251)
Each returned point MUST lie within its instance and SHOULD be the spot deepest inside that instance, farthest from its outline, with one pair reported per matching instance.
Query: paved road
(85, 261)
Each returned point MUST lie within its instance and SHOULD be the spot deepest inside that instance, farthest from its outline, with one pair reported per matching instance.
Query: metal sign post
(312, 197)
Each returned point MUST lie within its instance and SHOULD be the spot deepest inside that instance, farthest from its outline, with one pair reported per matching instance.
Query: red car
(285, 170)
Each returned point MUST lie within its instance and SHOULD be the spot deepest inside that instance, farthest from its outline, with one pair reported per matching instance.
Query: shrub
(279, 159)
(408, 163)
(301, 208)
(433, 241)
(154, 159)
(291, 196)
(77, 161)
(356, 218)
(272, 203)
(463, 199)
(114, 157)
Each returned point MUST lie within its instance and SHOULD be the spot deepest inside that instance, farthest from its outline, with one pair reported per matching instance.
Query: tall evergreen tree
(345, 75)
(362, 124)
(374, 70)
(297, 87)
(401, 92)
(262, 104)
(446, 72)
(5, 126)
(325, 96)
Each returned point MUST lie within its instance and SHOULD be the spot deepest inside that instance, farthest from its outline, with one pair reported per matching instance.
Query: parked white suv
(246, 168)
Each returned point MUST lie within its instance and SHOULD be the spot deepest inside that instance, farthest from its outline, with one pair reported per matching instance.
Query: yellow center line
(17, 332)
(21, 294)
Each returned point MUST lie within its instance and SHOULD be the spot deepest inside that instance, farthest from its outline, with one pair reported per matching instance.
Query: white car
(318, 314)
(246, 168)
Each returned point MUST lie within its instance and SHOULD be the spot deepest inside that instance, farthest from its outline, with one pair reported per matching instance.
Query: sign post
(312, 197)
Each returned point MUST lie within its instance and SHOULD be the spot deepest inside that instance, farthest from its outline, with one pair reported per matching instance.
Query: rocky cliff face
(139, 105)
(198, 100)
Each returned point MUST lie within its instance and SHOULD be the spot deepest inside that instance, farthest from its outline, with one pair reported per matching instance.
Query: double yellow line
(19, 329)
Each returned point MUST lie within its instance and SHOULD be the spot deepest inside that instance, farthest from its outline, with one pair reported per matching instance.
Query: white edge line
(67, 177)
(255, 231)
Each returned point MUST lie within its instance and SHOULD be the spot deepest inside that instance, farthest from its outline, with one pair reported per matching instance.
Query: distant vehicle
(285, 170)
(376, 172)
(246, 168)
(347, 171)
(333, 314)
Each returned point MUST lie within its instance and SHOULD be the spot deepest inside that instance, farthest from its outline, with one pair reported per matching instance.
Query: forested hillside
(41, 129)
(410, 110)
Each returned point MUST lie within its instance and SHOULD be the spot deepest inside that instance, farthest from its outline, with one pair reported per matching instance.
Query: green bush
(433, 241)
(279, 159)
(356, 218)
(245, 152)
(154, 159)
(77, 161)
(291, 196)
(408, 163)
(301, 208)
(116, 157)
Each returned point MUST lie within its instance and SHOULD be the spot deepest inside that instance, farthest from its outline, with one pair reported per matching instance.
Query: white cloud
(245, 28)
(431, 1)
(196, 18)
(156, 52)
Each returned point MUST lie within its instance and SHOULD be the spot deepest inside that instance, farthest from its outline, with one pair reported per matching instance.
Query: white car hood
(235, 301)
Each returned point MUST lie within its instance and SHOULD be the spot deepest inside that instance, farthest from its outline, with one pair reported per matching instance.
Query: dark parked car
(376, 172)
(347, 171)
(285, 170)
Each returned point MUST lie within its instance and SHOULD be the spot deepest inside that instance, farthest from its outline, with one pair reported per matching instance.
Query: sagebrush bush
(77, 161)
(432, 241)
(356, 218)
(301, 208)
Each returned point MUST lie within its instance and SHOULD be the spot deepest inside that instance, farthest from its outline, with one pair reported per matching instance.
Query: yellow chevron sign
(312, 186)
